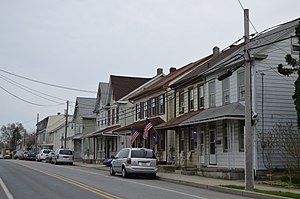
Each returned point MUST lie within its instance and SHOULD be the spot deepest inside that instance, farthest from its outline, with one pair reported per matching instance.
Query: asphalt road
(34, 180)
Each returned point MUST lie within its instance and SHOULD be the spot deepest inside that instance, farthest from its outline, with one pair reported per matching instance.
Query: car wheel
(124, 173)
(111, 171)
(153, 176)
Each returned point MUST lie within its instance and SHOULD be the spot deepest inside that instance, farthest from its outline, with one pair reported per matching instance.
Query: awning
(139, 126)
(173, 123)
(230, 111)
(107, 131)
(77, 137)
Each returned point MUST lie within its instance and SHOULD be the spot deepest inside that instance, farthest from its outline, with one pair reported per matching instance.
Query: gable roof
(84, 107)
(196, 74)
(122, 85)
(165, 81)
(101, 95)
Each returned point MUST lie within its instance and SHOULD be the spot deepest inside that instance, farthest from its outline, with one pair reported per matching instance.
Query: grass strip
(276, 193)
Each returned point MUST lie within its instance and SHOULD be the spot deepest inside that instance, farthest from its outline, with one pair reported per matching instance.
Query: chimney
(159, 71)
(172, 69)
(216, 51)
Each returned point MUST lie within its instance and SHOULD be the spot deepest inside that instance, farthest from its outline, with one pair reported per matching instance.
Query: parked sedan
(50, 157)
(42, 154)
(27, 155)
(137, 161)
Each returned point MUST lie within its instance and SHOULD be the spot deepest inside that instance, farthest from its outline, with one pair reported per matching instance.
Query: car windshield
(46, 151)
(66, 152)
(142, 153)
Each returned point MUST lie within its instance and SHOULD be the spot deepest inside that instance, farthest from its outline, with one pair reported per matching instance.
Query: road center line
(143, 184)
(76, 183)
(8, 194)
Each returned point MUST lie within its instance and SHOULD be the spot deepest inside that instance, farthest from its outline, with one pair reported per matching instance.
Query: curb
(223, 189)
(209, 187)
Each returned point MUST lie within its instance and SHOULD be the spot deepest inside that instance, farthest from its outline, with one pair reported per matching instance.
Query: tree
(294, 68)
(12, 134)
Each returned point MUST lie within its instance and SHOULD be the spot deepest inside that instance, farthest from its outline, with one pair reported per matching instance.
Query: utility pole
(249, 176)
(36, 133)
(66, 125)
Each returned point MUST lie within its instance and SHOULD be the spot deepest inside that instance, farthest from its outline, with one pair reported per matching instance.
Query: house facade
(83, 123)
(212, 140)
(114, 110)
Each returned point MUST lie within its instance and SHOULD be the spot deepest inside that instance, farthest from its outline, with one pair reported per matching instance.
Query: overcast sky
(79, 43)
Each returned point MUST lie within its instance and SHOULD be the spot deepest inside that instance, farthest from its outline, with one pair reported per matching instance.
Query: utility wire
(48, 84)
(23, 88)
(26, 100)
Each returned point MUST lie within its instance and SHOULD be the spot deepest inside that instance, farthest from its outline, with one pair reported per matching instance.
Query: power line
(24, 88)
(48, 84)
(26, 100)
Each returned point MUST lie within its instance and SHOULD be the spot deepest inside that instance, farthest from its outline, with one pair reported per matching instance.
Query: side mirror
(113, 157)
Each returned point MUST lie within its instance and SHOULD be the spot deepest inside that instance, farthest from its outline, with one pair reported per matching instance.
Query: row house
(156, 105)
(51, 132)
(114, 110)
(212, 139)
(83, 123)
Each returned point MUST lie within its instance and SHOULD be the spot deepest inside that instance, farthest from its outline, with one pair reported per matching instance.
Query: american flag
(134, 135)
(148, 126)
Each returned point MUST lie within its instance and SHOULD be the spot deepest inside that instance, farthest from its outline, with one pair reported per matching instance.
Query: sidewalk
(207, 183)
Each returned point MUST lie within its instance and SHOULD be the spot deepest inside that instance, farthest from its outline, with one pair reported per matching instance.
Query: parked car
(137, 161)
(42, 154)
(18, 154)
(49, 157)
(64, 156)
(107, 161)
(27, 155)
(7, 156)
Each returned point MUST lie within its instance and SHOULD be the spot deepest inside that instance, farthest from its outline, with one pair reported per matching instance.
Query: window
(200, 97)
(153, 106)
(193, 139)
(161, 106)
(181, 101)
(108, 117)
(191, 99)
(226, 96)
(181, 140)
(241, 135)
(212, 95)
(225, 136)
(146, 109)
(142, 110)
(295, 45)
(117, 115)
(113, 117)
(241, 84)
(138, 111)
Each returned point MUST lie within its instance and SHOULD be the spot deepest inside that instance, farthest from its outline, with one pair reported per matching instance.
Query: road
(34, 180)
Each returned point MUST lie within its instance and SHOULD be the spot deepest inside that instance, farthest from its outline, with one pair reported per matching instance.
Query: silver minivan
(64, 156)
(137, 161)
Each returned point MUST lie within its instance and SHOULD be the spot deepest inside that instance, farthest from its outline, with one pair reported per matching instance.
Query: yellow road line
(73, 182)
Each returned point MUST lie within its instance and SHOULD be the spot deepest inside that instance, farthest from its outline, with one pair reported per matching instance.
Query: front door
(202, 147)
(212, 147)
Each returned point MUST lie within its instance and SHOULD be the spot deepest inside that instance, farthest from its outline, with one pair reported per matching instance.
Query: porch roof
(77, 137)
(173, 123)
(139, 126)
(106, 132)
(230, 111)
